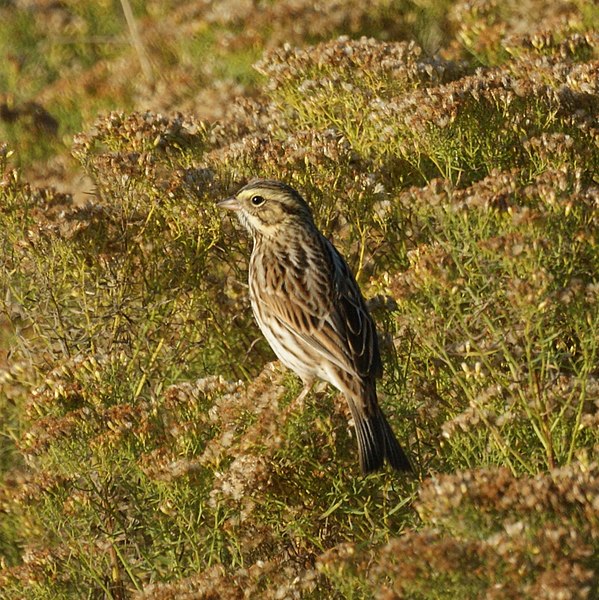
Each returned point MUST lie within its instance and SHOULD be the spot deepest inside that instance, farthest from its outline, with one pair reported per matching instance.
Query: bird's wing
(354, 320)
(323, 305)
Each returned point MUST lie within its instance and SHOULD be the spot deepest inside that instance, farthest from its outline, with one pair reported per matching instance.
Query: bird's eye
(257, 200)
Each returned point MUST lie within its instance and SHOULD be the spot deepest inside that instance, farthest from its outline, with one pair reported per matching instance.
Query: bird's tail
(377, 442)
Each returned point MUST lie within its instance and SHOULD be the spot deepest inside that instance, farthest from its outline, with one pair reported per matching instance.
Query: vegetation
(149, 447)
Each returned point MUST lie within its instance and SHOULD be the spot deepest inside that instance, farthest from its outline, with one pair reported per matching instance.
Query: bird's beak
(229, 203)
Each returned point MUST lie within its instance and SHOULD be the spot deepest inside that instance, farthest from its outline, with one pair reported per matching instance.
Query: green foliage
(484, 533)
(43, 44)
(134, 462)
(520, 298)
(75, 59)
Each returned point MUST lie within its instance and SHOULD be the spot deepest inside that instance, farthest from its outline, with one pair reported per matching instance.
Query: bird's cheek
(270, 229)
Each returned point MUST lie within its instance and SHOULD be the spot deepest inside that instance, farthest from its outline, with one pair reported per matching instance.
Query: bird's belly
(293, 352)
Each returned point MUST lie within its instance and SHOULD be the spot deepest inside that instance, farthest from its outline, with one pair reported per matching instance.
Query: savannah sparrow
(310, 309)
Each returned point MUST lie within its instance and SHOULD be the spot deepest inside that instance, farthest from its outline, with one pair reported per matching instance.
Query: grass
(149, 447)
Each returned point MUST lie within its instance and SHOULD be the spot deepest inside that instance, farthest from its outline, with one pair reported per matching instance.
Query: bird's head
(266, 207)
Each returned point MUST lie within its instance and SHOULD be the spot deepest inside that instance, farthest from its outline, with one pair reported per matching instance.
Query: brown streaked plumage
(310, 309)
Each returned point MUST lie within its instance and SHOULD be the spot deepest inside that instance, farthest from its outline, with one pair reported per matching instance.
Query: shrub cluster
(149, 448)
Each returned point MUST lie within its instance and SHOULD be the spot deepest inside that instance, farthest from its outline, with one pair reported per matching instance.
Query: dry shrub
(269, 580)
(519, 358)
(465, 198)
(355, 65)
(489, 534)
(492, 31)
(297, 21)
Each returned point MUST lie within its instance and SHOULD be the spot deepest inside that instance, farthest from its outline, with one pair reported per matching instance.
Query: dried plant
(150, 449)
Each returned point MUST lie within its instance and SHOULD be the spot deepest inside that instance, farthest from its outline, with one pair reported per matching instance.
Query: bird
(309, 308)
